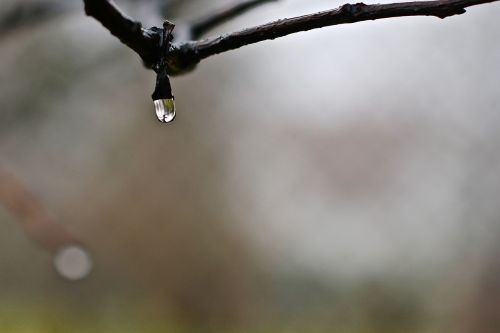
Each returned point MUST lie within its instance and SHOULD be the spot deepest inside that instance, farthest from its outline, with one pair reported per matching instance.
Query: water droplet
(165, 109)
(73, 262)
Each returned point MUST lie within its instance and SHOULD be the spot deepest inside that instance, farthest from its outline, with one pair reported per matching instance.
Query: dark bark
(130, 32)
(185, 55)
(207, 22)
(345, 14)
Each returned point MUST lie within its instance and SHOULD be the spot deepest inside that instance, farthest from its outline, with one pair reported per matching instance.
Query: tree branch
(143, 41)
(205, 23)
(183, 56)
(345, 14)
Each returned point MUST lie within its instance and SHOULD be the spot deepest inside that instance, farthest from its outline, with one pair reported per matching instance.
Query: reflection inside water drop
(73, 262)
(165, 109)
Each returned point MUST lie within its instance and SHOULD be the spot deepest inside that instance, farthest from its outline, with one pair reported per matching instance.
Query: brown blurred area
(339, 180)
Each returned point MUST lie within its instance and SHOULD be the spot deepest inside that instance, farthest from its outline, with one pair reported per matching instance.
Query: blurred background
(345, 179)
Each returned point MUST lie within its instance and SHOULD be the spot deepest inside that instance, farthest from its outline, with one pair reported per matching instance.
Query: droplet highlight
(73, 262)
(165, 109)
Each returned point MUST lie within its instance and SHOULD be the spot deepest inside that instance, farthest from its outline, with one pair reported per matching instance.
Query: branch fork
(181, 57)
(184, 56)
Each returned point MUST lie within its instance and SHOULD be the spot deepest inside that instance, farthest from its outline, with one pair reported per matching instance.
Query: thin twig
(207, 22)
(345, 14)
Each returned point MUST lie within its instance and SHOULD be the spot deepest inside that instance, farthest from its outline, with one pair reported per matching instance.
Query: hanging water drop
(162, 95)
(165, 109)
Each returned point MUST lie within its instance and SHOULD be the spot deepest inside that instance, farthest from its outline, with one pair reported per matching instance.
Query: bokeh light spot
(73, 262)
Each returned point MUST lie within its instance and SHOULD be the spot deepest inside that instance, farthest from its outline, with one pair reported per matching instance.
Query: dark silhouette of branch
(208, 22)
(183, 56)
(345, 14)
(130, 32)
